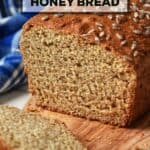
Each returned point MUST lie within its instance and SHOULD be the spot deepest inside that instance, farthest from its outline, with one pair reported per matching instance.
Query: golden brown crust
(3, 145)
(142, 144)
(127, 34)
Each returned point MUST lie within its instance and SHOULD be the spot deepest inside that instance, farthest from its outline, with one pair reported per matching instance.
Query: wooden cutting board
(98, 136)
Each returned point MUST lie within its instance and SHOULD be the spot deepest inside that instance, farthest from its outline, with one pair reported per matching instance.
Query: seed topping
(128, 58)
(102, 34)
(119, 36)
(134, 45)
(136, 31)
(136, 14)
(108, 37)
(97, 39)
(115, 26)
(90, 31)
(59, 15)
(136, 53)
(110, 17)
(99, 24)
(123, 42)
(45, 18)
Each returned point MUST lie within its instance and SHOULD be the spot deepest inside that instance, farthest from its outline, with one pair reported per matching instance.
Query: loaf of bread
(90, 65)
(29, 131)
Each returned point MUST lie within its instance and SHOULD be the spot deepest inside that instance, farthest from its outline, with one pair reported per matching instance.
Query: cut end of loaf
(68, 75)
(28, 131)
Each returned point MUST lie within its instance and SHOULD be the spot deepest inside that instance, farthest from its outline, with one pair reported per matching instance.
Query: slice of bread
(29, 131)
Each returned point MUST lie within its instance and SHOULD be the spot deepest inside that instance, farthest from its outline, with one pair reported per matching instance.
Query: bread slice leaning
(29, 131)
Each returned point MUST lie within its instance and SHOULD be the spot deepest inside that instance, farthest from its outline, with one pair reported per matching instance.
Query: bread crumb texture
(28, 131)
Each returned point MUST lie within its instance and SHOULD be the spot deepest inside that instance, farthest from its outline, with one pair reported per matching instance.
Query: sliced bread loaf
(88, 65)
(29, 131)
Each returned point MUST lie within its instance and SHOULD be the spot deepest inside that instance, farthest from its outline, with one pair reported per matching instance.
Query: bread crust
(3, 145)
(89, 26)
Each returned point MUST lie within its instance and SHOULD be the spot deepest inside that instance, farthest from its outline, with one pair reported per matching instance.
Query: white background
(18, 97)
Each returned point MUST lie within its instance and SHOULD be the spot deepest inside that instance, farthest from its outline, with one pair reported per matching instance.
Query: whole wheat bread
(90, 65)
(29, 131)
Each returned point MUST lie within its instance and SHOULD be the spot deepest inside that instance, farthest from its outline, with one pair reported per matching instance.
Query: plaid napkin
(11, 67)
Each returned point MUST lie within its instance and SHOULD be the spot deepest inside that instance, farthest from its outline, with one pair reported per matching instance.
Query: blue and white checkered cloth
(11, 67)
